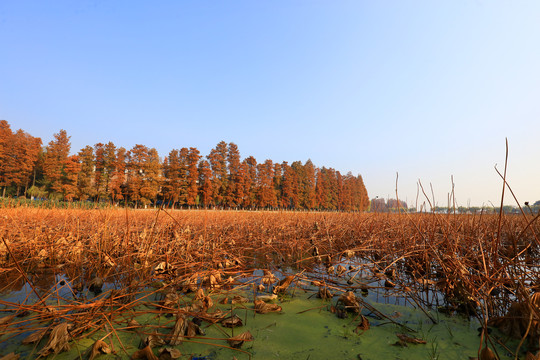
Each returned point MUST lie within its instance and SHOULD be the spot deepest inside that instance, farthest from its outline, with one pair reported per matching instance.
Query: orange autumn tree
(105, 159)
(233, 192)
(20, 156)
(100, 172)
(192, 176)
(266, 196)
(174, 189)
(85, 182)
(289, 187)
(118, 175)
(152, 178)
(143, 174)
(218, 164)
(56, 157)
(69, 177)
(205, 184)
(5, 135)
(249, 168)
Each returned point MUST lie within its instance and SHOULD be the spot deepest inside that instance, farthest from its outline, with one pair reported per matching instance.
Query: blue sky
(428, 89)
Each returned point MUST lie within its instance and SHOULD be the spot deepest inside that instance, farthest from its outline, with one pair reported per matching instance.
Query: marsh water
(307, 327)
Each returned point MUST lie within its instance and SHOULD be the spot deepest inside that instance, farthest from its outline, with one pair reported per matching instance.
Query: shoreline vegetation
(86, 275)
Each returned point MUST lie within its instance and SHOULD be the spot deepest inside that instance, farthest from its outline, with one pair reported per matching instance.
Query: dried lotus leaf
(363, 325)
(35, 337)
(487, 354)
(237, 299)
(207, 303)
(263, 308)
(170, 300)
(268, 277)
(179, 330)
(238, 340)
(324, 293)
(283, 284)
(341, 270)
(193, 330)
(410, 339)
(6, 319)
(154, 340)
(232, 321)
(99, 347)
(58, 340)
(144, 354)
(350, 301)
(267, 298)
(10, 356)
(213, 317)
(169, 353)
(199, 295)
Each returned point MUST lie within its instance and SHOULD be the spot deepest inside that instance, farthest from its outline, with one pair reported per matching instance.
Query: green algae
(305, 329)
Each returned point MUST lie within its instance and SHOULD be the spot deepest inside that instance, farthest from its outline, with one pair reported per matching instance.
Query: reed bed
(478, 265)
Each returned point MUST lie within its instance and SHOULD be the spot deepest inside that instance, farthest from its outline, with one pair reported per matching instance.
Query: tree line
(183, 178)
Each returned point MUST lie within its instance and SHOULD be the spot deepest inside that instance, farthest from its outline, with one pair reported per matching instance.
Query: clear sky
(428, 89)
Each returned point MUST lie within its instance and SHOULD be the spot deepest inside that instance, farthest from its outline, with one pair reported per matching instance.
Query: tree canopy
(183, 178)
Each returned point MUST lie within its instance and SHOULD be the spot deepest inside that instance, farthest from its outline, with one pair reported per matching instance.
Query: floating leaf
(341, 270)
(6, 319)
(363, 325)
(324, 293)
(170, 300)
(144, 354)
(283, 284)
(193, 330)
(410, 339)
(238, 340)
(99, 347)
(267, 298)
(199, 295)
(350, 301)
(133, 323)
(95, 285)
(179, 330)
(400, 343)
(487, 354)
(207, 303)
(232, 321)
(237, 299)
(262, 308)
(10, 356)
(164, 268)
(35, 337)
(58, 340)
(169, 354)
(268, 278)
(213, 317)
(154, 340)
(348, 253)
